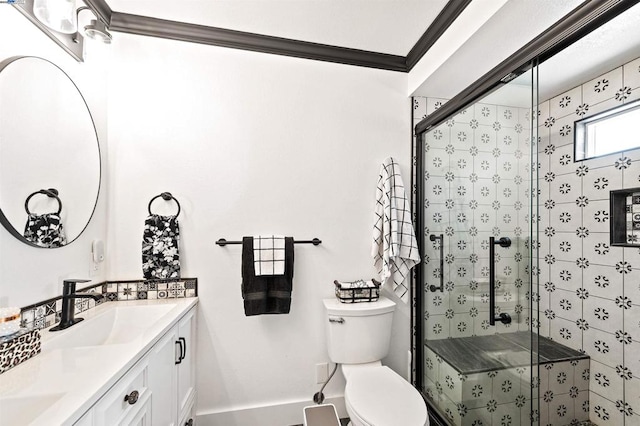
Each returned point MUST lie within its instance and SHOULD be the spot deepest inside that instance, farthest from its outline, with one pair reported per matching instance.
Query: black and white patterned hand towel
(160, 256)
(45, 230)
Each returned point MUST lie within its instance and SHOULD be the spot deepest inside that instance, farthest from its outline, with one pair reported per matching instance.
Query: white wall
(253, 144)
(29, 274)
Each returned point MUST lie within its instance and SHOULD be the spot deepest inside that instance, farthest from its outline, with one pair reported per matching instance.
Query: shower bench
(489, 379)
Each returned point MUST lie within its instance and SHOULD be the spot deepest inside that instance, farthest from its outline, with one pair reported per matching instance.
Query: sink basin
(116, 325)
(24, 410)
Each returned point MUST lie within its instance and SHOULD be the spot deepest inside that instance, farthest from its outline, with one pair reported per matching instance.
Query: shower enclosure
(477, 289)
(480, 360)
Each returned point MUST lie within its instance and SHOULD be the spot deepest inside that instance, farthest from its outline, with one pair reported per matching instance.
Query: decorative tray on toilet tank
(357, 291)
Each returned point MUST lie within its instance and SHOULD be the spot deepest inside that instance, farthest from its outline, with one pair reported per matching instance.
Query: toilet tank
(358, 332)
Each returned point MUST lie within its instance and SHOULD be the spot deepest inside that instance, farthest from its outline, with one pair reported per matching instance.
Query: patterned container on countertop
(18, 347)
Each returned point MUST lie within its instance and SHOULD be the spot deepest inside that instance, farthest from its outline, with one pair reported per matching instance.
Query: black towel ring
(51, 193)
(167, 197)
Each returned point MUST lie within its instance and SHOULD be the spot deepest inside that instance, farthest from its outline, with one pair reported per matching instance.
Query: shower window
(614, 130)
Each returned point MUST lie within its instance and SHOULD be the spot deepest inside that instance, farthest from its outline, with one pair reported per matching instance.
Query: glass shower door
(477, 199)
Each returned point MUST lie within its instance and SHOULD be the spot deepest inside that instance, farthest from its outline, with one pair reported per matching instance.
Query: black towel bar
(222, 242)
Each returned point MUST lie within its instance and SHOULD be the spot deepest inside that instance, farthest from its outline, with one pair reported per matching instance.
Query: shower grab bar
(503, 317)
(440, 237)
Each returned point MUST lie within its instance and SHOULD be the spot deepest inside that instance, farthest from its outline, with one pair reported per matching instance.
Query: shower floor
(477, 354)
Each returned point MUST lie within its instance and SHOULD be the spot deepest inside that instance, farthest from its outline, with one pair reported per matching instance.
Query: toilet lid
(380, 397)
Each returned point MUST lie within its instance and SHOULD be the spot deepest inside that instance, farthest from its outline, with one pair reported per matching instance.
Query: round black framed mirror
(50, 167)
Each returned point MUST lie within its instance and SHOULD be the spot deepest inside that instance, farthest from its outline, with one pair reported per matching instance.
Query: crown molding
(193, 33)
(443, 21)
(173, 30)
(181, 31)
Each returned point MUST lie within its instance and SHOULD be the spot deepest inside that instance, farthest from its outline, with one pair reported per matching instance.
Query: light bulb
(58, 15)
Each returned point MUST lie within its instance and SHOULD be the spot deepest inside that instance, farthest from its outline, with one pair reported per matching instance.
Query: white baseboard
(282, 414)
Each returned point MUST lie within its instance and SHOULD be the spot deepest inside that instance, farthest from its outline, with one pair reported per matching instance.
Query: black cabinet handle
(183, 346)
(132, 398)
(503, 317)
(179, 342)
(188, 422)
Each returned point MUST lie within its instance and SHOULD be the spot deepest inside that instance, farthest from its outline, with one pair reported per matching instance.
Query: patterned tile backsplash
(45, 314)
(17, 348)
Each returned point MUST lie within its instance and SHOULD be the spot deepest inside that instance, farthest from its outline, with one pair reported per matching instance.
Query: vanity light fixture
(71, 43)
(58, 15)
(96, 30)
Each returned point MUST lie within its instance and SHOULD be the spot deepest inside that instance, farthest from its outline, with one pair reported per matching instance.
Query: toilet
(358, 337)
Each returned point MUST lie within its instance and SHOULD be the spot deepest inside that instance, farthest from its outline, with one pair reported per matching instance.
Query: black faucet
(67, 318)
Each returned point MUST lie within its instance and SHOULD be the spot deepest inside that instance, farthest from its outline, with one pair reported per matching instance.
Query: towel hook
(51, 193)
(167, 197)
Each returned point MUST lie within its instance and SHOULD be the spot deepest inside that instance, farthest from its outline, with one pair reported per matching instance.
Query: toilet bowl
(377, 396)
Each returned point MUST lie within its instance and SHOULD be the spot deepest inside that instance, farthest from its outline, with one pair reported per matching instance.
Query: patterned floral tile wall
(476, 186)
(590, 291)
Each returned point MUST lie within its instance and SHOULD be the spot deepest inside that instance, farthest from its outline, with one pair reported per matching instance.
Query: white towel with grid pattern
(268, 255)
(395, 249)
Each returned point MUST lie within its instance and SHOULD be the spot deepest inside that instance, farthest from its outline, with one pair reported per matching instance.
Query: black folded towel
(160, 255)
(266, 294)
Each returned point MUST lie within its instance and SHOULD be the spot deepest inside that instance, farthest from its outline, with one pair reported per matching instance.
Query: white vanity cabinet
(172, 373)
(159, 389)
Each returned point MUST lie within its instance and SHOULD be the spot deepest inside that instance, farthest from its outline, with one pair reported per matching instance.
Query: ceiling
(384, 26)
(459, 56)
(611, 45)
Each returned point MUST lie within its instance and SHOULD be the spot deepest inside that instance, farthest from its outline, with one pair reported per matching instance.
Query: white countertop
(75, 378)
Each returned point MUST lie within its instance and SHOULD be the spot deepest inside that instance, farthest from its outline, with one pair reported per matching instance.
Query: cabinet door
(186, 367)
(163, 379)
(189, 418)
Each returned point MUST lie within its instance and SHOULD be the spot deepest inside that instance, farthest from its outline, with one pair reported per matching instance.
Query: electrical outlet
(322, 372)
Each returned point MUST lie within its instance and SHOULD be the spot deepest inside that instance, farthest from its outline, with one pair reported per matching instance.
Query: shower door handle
(503, 317)
(432, 287)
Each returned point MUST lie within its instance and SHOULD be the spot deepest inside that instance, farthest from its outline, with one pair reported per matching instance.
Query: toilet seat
(377, 396)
